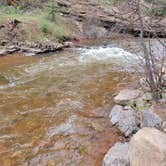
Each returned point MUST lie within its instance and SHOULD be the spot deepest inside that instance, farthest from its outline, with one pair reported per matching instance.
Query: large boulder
(124, 119)
(126, 95)
(118, 155)
(148, 148)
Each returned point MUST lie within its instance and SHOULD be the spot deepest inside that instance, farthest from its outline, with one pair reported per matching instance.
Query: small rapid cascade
(110, 55)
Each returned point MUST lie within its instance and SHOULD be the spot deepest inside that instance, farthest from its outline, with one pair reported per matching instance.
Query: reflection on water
(54, 109)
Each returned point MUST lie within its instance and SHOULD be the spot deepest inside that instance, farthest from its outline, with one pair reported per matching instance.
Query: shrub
(59, 33)
(158, 11)
(44, 26)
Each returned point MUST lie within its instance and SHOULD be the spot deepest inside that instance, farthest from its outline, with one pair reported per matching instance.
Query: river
(54, 109)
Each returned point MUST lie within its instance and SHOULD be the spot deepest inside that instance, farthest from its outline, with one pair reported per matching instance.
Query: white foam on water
(106, 55)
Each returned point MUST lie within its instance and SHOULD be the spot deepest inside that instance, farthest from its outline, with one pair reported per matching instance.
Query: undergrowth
(37, 26)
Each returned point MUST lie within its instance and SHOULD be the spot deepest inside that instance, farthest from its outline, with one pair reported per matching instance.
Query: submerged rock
(118, 155)
(148, 148)
(126, 95)
(124, 119)
(64, 128)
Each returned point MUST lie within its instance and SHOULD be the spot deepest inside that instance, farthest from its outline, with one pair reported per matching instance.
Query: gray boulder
(124, 119)
(126, 95)
(149, 119)
(118, 155)
(116, 111)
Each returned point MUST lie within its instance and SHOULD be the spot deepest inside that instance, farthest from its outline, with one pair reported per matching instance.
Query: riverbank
(31, 23)
(31, 49)
(143, 122)
(33, 31)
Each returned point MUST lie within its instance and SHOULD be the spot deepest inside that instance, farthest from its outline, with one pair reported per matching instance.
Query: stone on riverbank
(126, 95)
(118, 155)
(128, 121)
(149, 119)
(124, 119)
(148, 148)
(3, 52)
(115, 114)
(30, 49)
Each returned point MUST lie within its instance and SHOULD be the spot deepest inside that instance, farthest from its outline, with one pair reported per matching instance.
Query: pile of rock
(146, 148)
(31, 48)
(134, 112)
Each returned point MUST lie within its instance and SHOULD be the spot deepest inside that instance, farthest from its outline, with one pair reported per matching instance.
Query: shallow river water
(54, 109)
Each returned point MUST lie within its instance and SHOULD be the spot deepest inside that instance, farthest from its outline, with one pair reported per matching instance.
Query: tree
(52, 9)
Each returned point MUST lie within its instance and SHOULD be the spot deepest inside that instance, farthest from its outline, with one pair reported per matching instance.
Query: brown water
(54, 109)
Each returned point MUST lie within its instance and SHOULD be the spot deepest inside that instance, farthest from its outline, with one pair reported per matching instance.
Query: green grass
(10, 10)
(36, 26)
(59, 33)
(45, 26)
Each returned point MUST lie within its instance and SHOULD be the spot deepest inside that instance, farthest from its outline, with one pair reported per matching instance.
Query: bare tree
(154, 66)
